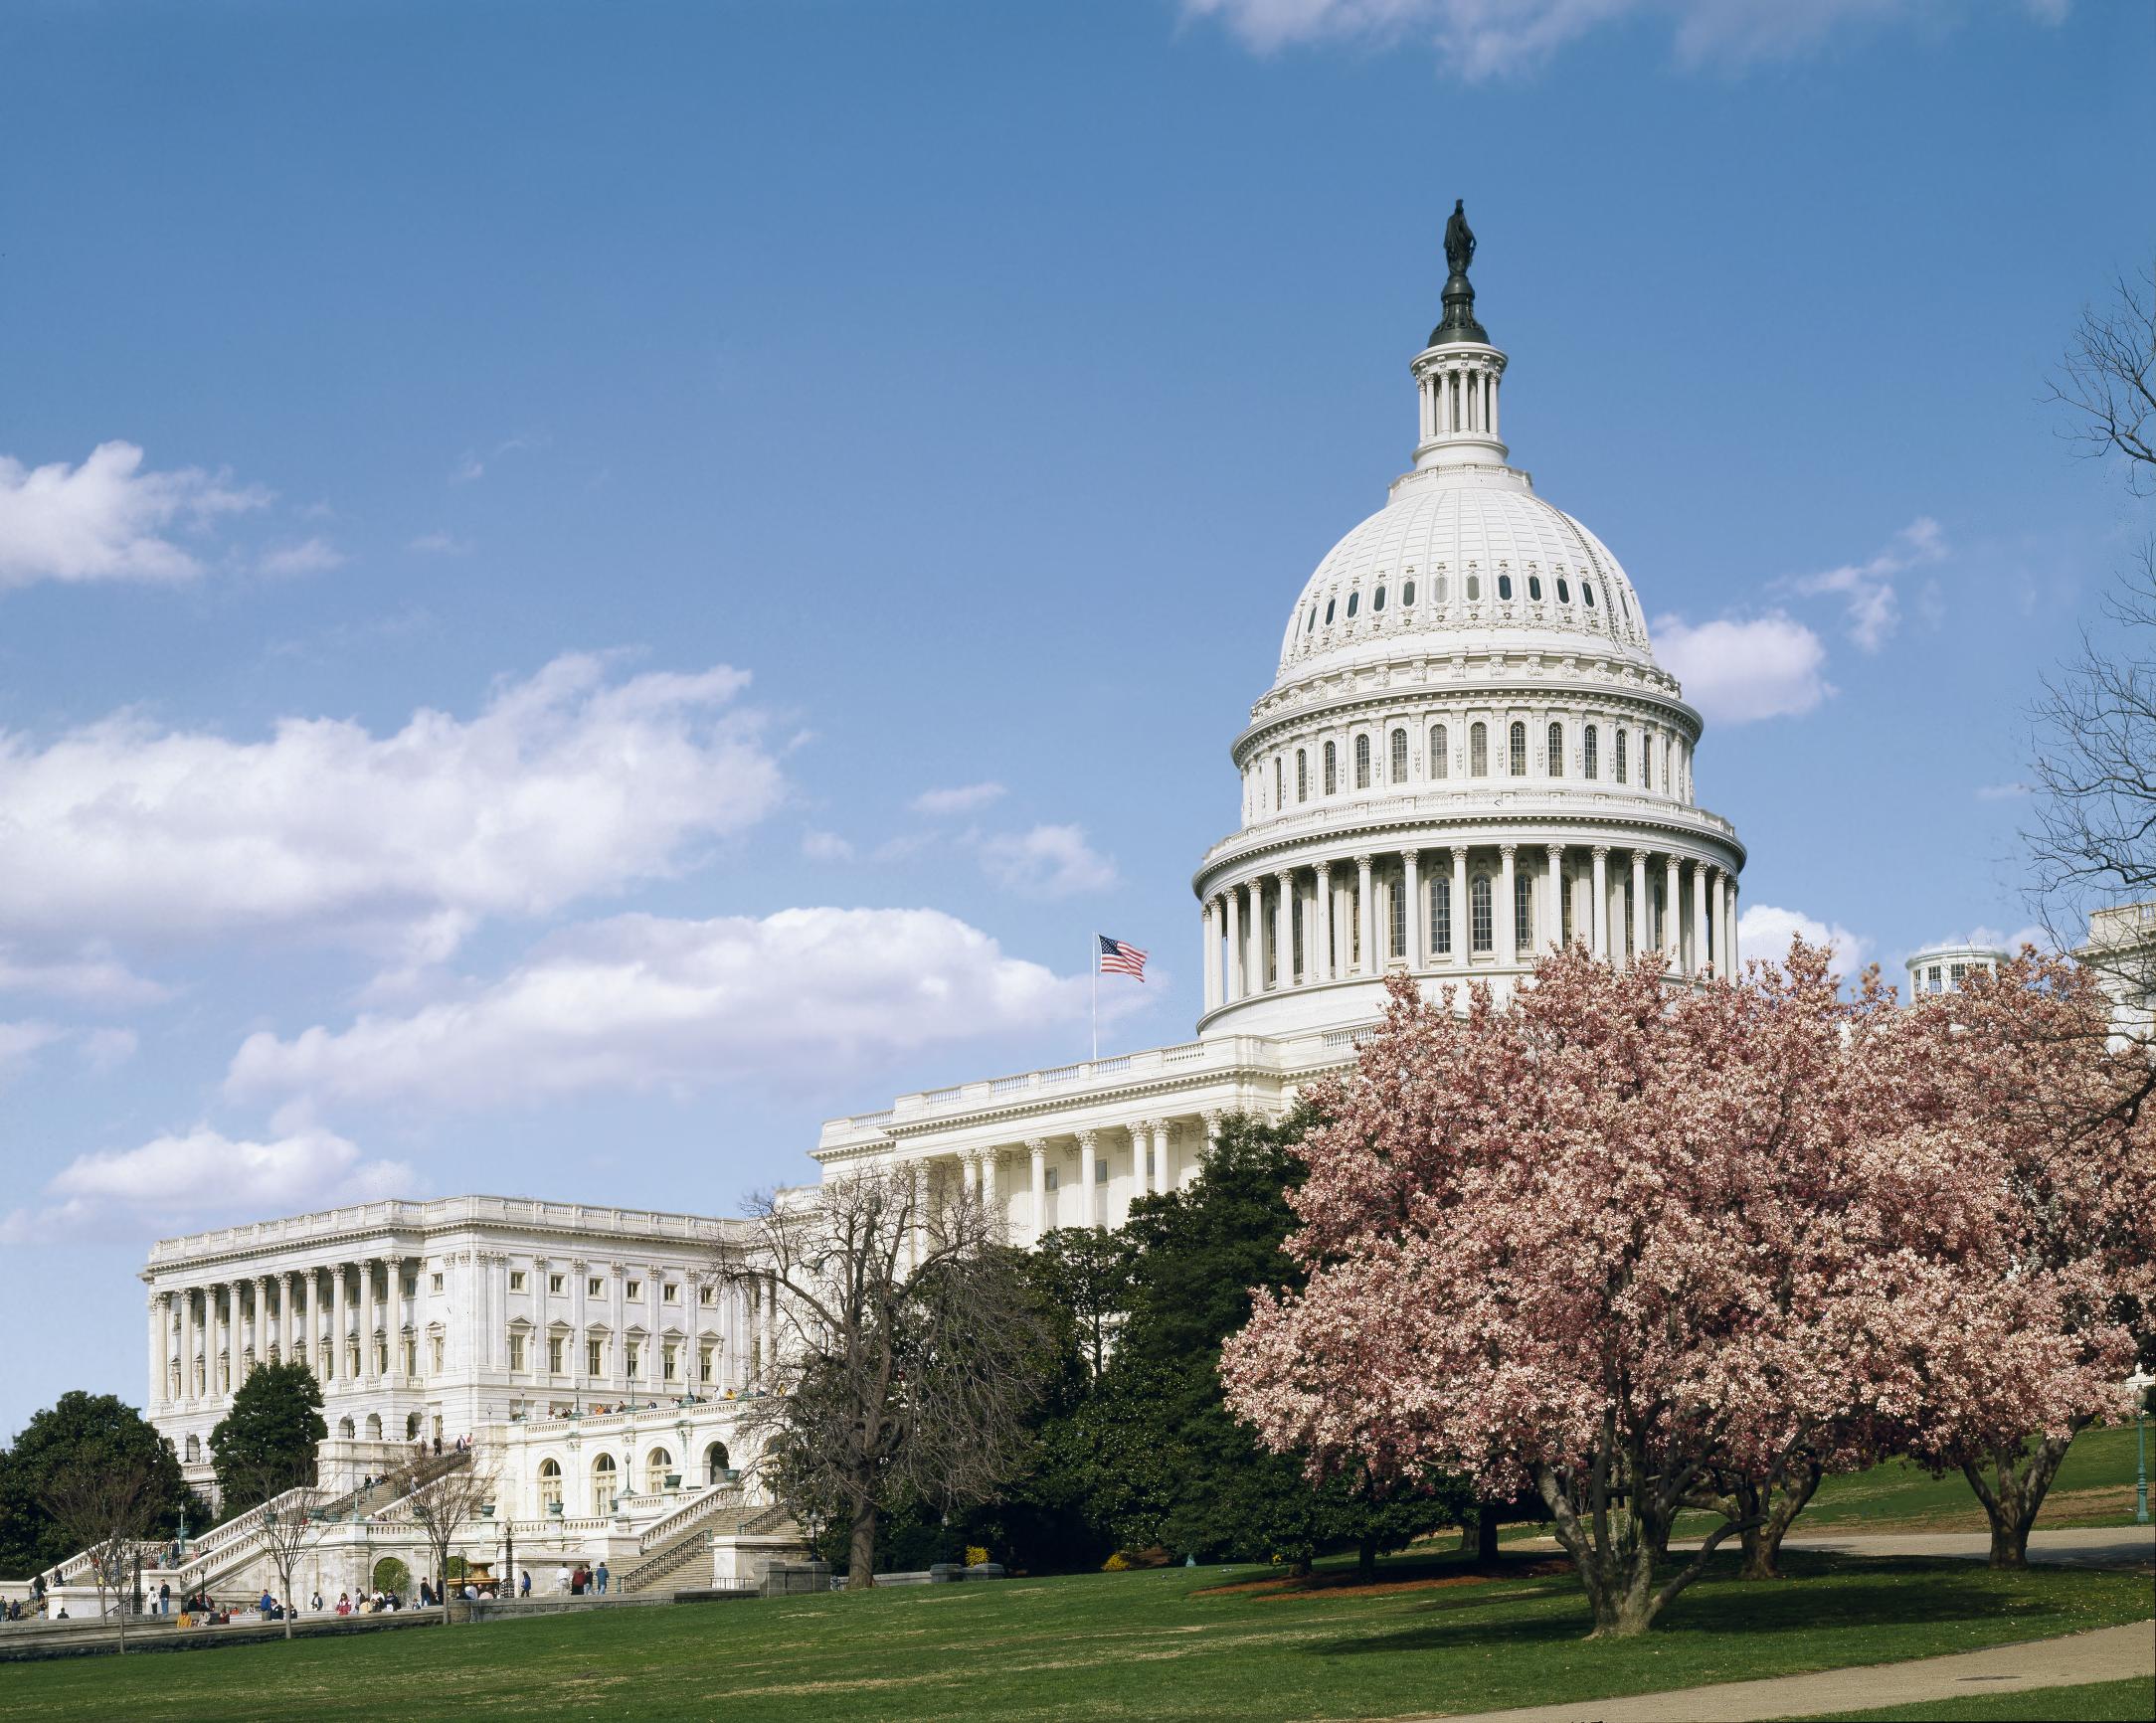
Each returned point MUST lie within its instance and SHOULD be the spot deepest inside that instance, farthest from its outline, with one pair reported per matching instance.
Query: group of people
(579, 1580)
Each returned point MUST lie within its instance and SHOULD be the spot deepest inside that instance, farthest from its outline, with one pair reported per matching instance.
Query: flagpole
(1094, 945)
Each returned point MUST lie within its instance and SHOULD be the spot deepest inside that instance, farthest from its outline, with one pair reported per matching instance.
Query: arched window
(1478, 749)
(1590, 756)
(1669, 778)
(656, 1464)
(1329, 604)
(550, 1487)
(1280, 784)
(1353, 599)
(194, 1448)
(604, 1480)
(1565, 592)
(1504, 585)
(1396, 920)
(1586, 591)
(1443, 587)
(716, 1464)
(1399, 756)
(1441, 916)
(1310, 625)
(1440, 754)
(1522, 909)
(1647, 763)
(1556, 751)
(1302, 774)
(346, 1429)
(1518, 753)
(1362, 763)
(1407, 595)
(1377, 600)
(1534, 588)
(1479, 931)
(374, 1427)
(1620, 757)
(1332, 769)
(1474, 589)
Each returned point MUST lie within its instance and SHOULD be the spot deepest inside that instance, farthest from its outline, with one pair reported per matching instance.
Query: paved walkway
(2115, 1546)
(2107, 1655)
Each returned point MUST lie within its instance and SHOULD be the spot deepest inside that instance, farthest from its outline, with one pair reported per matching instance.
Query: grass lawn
(2096, 1702)
(1171, 1644)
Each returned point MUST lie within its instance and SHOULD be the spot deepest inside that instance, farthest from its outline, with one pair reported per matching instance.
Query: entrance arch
(550, 1487)
(603, 1482)
(716, 1464)
(656, 1464)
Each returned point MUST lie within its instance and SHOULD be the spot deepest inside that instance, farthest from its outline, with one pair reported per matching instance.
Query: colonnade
(1474, 907)
(347, 1319)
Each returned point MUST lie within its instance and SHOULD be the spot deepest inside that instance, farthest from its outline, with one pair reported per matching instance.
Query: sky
(585, 587)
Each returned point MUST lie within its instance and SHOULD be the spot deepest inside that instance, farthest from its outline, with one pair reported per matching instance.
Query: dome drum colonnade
(1469, 755)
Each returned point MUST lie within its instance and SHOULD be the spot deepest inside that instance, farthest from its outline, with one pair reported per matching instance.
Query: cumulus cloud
(1764, 932)
(2002, 791)
(1738, 672)
(107, 519)
(569, 782)
(103, 1049)
(826, 846)
(186, 1178)
(1483, 38)
(18, 1041)
(1873, 607)
(1050, 861)
(313, 556)
(639, 1002)
(963, 799)
(438, 544)
(88, 978)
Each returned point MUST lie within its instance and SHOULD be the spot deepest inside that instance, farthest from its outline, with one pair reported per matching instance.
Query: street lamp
(2138, 1385)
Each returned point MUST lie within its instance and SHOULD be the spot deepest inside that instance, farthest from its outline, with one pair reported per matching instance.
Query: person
(164, 1598)
(561, 1581)
(344, 1603)
(523, 1583)
(576, 1582)
(315, 1601)
(427, 1595)
(437, 1445)
(601, 1576)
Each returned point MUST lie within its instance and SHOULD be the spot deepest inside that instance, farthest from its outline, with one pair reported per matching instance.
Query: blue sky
(585, 587)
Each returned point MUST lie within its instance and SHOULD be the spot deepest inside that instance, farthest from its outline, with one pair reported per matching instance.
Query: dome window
(1332, 769)
(1442, 585)
(1474, 587)
(1312, 626)
(1329, 613)
(1589, 753)
(1440, 764)
(1478, 750)
(1553, 757)
(1518, 751)
(1301, 776)
(1481, 936)
(1620, 757)
(1504, 585)
(1534, 588)
(1377, 600)
(1399, 756)
(1565, 592)
(1587, 592)
(1362, 763)
(1407, 595)
(1353, 599)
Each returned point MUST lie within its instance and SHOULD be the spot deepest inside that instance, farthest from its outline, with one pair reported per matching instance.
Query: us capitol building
(1466, 756)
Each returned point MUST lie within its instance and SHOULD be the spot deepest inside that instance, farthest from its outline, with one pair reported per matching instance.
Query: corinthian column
(1232, 897)
(1639, 904)
(1673, 917)
(1323, 930)
(1037, 1149)
(1553, 911)
(1283, 975)
(1418, 947)
(1507, 933)
(1366, 915)
(1088, 1145)
(1463, 921)
(1598, 908)
(1699, 918)
(1718, 921)
(1213, 954)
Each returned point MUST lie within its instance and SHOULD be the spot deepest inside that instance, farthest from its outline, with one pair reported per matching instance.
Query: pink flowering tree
(1604, 1242)
(2022, 1176)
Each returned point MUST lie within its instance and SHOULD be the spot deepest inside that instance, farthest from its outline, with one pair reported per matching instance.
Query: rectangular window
(437, 1283)
(434, 1353)
(554, 1354)
(516, 1352)
(666, 1363)
(557, 1283)
(1052, 1180)
(707, 1295)
(670, 1294)
(594, 1287)
(636, 1289)
(516, 1279)
(1931, 975)
(1441, 917)
(1480, 929)
(703, 1363)
(1396, 920)
(1620, 757)
(1100, 1170)
(1522, 906)
(1647, 763)
(1440, 765)
(595, 1357)
(630, 1358)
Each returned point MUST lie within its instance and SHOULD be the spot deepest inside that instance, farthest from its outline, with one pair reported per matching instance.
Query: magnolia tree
(2023, 1177)
(1604, 1243)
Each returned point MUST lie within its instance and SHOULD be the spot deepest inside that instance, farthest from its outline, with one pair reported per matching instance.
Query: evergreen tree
(265, 1444)
(80, 1429)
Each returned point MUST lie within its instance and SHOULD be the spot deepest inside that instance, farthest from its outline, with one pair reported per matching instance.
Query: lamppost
(2139, 1384)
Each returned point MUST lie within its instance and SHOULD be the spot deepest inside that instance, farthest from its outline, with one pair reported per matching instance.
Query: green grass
(1139, 1644)
(2130, 1701)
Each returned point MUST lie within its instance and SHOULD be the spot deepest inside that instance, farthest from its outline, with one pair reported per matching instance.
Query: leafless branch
(107, 1509)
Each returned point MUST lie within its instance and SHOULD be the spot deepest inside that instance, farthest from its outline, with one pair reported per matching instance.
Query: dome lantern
(1457, 374)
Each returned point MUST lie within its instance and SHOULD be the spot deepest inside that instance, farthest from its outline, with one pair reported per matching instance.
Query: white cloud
(567, 784)
(1998, 940)
(107, 519)
(313, 556)
(103, 1049)
(177, 1179)
(18, 1041)
(1050, 861)
(2002, 791)
(1873, 611)
(1740, 671)
(964, 799)
(1483, 38)
(1764, 932)
(638, 1001)
(439, 543)
(826, 846)
(90, 977)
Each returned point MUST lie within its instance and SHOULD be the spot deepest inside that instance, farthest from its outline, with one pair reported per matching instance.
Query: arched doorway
(344, 1428)
(657, 1464)
(374, 1427)
(412, 1426)
(194, 1451)
(604, 1480)
(716, 1464)
(391, 1574)
(550, 1487)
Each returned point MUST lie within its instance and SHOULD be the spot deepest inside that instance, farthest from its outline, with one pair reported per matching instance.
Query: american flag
(1118, 959)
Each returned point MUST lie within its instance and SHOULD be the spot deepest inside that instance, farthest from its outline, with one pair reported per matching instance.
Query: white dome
(1464, 559)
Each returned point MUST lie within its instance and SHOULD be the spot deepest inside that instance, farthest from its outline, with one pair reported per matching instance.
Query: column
(1699, 918)
(1232, 897)
(1163, 1140)
(1037, 1149)
(1141, 1176)
(1283, 933)
(1553, 911)
(1213, 954)
(1087, 1143)
(1507, 941)
(1211, 1124)
(394, 1269)
(258, 1330)
(1463, 926)
(1254, 930)
(1323, 918)
(160, 1370)
(1721, 923)
(992, 1193)
(339, 1320)
(1366, 914)
(1598, 906)
(1418, 947)
(1639, 904)
(1736, 958)
(1672, 916)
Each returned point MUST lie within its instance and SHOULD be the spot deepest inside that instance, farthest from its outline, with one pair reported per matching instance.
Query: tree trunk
(2013, 1493)
(1366, 1560)
(1486, 1534)
(861, 1556)
(1775, 1511)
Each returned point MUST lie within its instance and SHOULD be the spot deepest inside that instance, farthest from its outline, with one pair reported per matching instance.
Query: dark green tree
(81, 1430)
(265, 1445)
(1085, 1273)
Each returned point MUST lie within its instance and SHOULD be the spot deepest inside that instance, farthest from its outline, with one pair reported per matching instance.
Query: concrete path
(2107, 1655)
(2117, 1546)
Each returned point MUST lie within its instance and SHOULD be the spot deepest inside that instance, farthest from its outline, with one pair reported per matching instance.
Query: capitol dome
(1467, 756)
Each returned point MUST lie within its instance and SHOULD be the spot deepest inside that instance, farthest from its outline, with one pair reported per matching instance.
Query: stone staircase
(676, 1557)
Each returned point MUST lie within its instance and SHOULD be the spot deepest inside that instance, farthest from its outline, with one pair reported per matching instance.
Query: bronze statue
(1459, 239)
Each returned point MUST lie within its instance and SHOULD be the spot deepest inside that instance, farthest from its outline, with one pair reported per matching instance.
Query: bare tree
(107, 1509)
(2093, 838)
(912, 1349)
(444, 1496)
(288, 1529)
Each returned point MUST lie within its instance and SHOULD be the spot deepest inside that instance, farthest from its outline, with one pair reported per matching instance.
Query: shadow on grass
(1821, 1598)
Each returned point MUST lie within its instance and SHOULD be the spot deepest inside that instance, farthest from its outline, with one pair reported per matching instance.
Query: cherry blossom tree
(1605, 1242)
